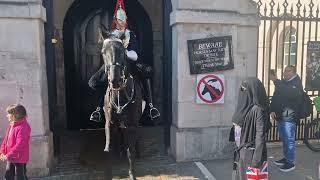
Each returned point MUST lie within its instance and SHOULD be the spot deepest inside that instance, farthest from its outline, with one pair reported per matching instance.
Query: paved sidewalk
(163, 168)
(307, 166)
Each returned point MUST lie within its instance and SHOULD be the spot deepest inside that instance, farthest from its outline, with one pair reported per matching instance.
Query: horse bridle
(124, 78)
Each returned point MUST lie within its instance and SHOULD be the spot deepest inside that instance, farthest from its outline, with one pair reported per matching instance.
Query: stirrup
(96, 116)
(153, 112)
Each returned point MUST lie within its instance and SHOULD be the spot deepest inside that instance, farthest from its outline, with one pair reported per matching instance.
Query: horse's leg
(109, 159)
(137, 147)
(115, 145)
(122, 144)
(130, 141)
(108, 127)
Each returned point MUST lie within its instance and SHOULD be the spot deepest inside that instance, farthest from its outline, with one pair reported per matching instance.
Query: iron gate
(285, 29)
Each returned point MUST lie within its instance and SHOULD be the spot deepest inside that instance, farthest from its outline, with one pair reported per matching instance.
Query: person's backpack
(306, 106)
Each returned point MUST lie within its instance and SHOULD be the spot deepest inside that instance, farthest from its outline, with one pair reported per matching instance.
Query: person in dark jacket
(250, 122)
(284, 108)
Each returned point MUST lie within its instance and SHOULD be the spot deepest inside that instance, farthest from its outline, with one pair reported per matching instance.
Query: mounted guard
(144, 72)
(122, 81)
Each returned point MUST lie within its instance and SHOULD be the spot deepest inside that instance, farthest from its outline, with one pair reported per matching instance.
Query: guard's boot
(96, 115)
(153, 112)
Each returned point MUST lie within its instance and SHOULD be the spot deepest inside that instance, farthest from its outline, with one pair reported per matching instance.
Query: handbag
(258, 173)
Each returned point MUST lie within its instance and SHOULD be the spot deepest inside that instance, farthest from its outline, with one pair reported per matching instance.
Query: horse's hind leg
(130, 141)
(108, 168)
(131, 158)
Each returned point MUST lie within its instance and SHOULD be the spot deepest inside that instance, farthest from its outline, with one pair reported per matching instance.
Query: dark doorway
(82, 55)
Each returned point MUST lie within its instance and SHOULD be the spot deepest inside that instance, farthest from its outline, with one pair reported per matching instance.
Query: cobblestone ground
(163, 168)
(89, 165)
(156, 168)
(82, 161)
(307, 165)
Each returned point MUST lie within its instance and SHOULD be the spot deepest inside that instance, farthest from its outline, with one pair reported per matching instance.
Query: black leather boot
(145, 73)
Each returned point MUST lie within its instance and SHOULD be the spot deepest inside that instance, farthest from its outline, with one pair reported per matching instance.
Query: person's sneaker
(280, 162)
(287, 167)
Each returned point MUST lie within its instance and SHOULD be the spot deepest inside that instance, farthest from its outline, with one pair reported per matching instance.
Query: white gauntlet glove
(132, 55)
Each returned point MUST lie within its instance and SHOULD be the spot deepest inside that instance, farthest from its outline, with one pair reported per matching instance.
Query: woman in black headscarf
(251, 123)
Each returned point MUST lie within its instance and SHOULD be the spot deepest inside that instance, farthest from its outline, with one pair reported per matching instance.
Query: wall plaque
(313, 66)
(210, 54)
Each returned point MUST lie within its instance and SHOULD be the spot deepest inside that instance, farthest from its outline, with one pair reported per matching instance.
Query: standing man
(284, 108)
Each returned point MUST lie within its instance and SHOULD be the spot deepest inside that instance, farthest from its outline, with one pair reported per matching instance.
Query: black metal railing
(284, 32)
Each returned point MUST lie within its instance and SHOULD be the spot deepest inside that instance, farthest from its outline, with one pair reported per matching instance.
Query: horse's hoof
(132, 176)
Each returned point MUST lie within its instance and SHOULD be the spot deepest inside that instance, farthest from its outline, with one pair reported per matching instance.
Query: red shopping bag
(258, 173)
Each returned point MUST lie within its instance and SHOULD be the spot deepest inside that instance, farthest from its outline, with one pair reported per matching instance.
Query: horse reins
(119, 108)
(123, 76)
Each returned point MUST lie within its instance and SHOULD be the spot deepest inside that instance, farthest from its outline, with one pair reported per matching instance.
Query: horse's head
(114, 56)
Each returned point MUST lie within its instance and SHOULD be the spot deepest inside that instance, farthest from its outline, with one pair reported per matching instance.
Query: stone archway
(160, 55)
(82, 55)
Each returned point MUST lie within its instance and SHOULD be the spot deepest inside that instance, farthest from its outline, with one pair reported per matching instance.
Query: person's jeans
(287, 131)
(16, 170)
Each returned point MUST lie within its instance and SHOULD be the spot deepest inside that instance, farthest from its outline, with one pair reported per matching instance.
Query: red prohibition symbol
(214, 92)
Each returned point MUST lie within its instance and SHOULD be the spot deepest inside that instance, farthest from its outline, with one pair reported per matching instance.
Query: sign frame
(313, 66)
(210, 54)
(206, 96)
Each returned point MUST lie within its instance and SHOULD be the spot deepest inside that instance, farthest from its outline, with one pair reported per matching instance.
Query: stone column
(200, 132)
(23, 76)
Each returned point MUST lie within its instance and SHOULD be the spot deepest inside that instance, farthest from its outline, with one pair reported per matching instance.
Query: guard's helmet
(119, 13)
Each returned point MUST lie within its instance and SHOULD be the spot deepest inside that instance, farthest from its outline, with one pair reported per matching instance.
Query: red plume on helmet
(119, 7)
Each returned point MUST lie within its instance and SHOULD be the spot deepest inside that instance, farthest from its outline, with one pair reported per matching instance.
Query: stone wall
(23, 76)
(201, 131)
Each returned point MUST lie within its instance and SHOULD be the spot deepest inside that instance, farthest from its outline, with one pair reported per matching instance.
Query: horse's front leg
(130, 137)
(108, 167)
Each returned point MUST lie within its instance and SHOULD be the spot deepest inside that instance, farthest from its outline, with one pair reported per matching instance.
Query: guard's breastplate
(124, 36)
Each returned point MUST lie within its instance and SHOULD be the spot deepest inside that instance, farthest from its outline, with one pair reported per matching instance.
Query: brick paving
(88, 165)
(81, 158)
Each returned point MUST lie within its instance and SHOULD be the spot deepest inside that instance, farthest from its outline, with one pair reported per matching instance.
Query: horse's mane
(111, 41)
